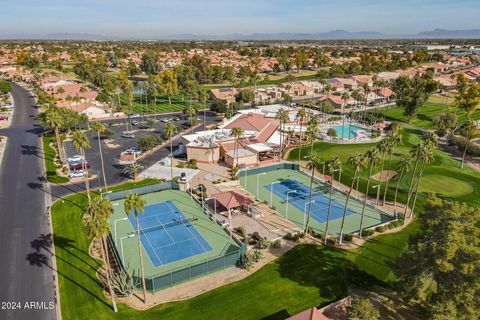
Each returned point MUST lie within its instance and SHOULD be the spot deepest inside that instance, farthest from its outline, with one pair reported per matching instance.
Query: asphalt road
(26, 271)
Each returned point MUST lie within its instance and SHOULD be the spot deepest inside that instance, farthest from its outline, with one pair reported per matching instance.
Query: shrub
(367, 233)
(241, 231)
(294, 237)
(380, 229)
(348, 237)
(181, 165)
(192, 164)
(248, 260)
(362, 309)
(148, 143)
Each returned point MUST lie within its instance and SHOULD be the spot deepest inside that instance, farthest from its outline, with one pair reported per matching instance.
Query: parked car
(164, 120)
(127, 134)
(185, 125)
(78, 165)
(135, 115)
(136, 151)
(135, 122)
(77, 173)
(4, 118)
(75, 158)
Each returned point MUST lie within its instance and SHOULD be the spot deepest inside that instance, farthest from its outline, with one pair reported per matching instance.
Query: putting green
(443, 185)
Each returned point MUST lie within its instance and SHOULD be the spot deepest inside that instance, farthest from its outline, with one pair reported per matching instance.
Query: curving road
(26, 269)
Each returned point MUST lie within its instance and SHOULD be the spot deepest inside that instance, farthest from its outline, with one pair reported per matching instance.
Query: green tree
(80, 143)
(470, 131)
(135, 204)
(440, 270)
(362, 309)
(133, 170)
(403, 167)
(98, 227)
(53, 120)
(167, 84)
(282, 116)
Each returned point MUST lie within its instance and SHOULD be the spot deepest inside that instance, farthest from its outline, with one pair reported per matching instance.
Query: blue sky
(160, 17)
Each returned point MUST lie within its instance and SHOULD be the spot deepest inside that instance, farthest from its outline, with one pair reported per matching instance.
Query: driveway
(25, 257)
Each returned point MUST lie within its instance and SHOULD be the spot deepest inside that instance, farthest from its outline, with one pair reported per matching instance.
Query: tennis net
(169, 224)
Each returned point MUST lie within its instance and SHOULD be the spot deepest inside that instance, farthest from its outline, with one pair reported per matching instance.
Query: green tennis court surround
(275, 183)
(184, 244)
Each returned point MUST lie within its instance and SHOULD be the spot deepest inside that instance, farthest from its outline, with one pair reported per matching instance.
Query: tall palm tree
(345, 97)
(383, 148)
(282, 116)
(53, 120)
(170, 131)
(356, 161)
(312, 132)
(133, 170)
(190, 112)
(415, 153)
(393, 140)
(134, 203)
(313, 162)
(98, 227)
(332, 166)
(427, 155)
(300, 117)
(80, 143)
(470, 131)
(371, 158)
(236, 132)
(100, 128)
(403, 167)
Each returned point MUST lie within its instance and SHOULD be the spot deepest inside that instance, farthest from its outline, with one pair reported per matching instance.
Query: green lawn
(49, 155)
(162, 105)
(425, 115)
(306, 276)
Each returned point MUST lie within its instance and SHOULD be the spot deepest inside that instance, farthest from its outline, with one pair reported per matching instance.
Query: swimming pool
(347, 131)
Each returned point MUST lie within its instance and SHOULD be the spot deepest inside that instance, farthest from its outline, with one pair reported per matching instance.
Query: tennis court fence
(268, 168)
(143, 190)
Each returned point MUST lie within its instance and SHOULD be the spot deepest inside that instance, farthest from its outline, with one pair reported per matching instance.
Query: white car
(127, 134)
(77, 174)
(75, 158)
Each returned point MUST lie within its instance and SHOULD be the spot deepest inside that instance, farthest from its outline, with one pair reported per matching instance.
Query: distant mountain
(330, 35)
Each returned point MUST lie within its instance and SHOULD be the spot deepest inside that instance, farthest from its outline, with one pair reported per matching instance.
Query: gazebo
(230, 200)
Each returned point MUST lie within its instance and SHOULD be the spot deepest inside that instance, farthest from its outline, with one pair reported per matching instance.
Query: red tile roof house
(337, 101)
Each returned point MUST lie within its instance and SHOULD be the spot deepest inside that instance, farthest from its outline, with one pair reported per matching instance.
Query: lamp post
(305, 212)
(271, 192)
(131, 235)
(115, 227)
(260, 174)
(286, 209)
(378, 193)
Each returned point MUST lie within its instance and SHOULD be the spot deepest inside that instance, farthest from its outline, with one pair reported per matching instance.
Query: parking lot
(113, 146)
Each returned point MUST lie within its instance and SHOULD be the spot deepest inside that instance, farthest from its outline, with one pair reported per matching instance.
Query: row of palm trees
(423, 153)
(98, 227)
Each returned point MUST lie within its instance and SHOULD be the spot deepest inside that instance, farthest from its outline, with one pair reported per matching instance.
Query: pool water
(347, 131)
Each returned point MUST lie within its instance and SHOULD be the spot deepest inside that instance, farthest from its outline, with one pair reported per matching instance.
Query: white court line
(151, 246)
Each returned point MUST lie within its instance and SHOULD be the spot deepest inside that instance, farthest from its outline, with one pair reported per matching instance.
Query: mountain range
(330, 35)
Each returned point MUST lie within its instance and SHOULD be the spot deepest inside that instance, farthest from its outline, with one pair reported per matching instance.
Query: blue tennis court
(167, 235)
(301, 198)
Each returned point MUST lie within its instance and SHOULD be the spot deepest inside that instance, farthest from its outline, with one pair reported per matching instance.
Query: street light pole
(286, 209)
(378, 193)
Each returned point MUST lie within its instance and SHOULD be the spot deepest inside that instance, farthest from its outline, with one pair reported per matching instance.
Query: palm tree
(394, 139)
(311, 133)
(100, 128)
(190, 111)
(333, 166)
(282, 116)
(415, 153)
(300, 117)
(98, 227)
(134, 203)
(403, 167)
(80, 142)
(371, 158)
(470, 131)
(356, 161)
(313, 162)
(170, 131)
(345, 97)
(383, 148)
(202, 98)
(54, 120)
(236, 132)
(427, 155)
(133, 170)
